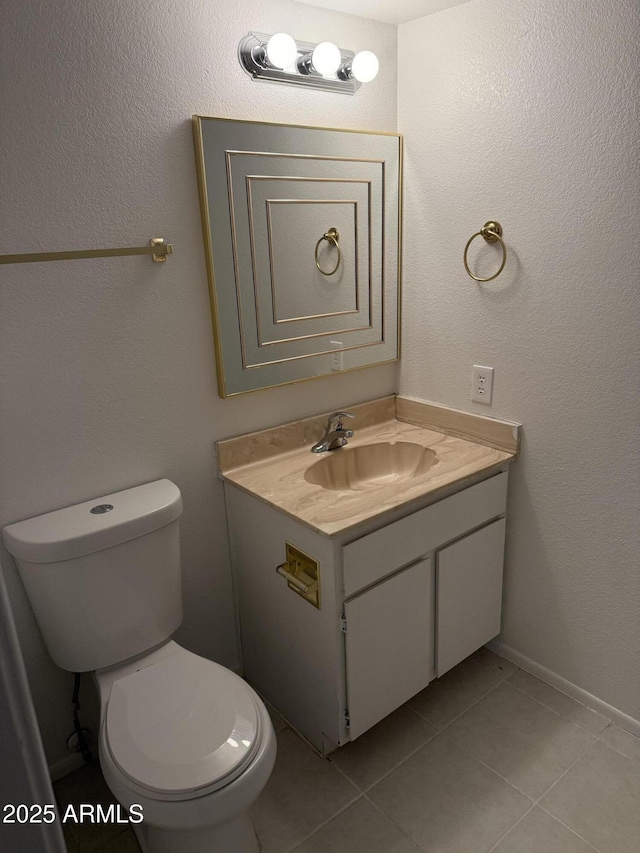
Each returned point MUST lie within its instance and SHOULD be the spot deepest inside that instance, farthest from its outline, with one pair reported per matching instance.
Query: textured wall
(528, 112)
(108, 376)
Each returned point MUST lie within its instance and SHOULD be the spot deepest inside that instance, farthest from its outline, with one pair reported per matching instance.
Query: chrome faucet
(336, 435)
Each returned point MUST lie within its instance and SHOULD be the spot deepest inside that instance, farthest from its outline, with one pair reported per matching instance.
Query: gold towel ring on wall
(332, 236)
(491, 231)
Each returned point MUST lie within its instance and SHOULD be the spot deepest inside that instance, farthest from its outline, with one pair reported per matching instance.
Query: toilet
(181, 736)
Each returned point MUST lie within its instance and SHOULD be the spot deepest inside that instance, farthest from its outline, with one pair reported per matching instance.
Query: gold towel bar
(157, 248)
(491, 231)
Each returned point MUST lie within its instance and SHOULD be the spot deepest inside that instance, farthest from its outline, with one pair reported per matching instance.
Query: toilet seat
(182, 727)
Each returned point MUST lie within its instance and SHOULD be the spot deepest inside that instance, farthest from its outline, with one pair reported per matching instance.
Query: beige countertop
(276, 465)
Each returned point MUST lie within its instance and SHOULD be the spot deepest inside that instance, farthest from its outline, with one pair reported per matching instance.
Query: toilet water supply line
(79, 731)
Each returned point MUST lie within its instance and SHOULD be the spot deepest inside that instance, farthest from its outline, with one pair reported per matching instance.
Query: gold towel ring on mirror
(332, 236)
(491, 231)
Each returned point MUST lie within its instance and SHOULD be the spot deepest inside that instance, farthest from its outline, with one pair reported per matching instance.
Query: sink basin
(371, 465)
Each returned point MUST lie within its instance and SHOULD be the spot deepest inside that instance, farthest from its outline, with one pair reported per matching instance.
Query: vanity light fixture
(282, 59)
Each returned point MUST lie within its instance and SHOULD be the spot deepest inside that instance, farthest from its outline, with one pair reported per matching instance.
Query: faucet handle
(335, 420)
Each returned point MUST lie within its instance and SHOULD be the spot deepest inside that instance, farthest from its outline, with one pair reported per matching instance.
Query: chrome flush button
(101, 508)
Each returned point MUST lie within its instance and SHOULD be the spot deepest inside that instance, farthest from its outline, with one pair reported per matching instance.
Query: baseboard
(66, 765)
(618, 717)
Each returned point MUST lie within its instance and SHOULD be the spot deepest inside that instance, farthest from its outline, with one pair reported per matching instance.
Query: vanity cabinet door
(469, 594)
(389, 645)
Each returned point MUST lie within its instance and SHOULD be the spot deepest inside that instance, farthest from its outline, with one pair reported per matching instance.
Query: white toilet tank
(103, 577)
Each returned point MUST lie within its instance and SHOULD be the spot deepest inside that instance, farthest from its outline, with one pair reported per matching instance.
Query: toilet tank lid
(76, 531)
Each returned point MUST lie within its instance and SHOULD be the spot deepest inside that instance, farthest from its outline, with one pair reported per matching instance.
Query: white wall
(108, 376)
(528, 112)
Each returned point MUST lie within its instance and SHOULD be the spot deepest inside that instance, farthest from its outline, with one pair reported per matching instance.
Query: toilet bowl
(191, 743)
(185, 740)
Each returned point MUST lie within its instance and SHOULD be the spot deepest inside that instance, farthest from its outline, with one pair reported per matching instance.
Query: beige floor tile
(599, 798)
(86, 785)
(559, 702)
(453, 694)
(624, 742)
(447, 801)
(361, 828)
(304, 791)
(520, 739)
(367, 759)
(538, 832)
(501, 667)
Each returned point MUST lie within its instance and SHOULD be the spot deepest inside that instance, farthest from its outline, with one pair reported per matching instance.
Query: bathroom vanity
(362, 577)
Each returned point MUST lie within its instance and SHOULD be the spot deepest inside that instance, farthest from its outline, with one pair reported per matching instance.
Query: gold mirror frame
(315, 364)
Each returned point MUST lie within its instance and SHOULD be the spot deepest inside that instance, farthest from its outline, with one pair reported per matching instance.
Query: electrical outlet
(482, 384)
(337, 362)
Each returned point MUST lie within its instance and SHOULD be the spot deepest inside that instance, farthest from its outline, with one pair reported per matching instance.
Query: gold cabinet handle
(492, 232)
(306, 588)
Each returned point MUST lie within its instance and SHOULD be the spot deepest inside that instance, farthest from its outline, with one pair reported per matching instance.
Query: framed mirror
(302, 236)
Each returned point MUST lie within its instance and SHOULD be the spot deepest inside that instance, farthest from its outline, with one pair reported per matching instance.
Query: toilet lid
(182, 724)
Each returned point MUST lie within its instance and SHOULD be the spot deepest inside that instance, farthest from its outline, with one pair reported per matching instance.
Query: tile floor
(486, 760)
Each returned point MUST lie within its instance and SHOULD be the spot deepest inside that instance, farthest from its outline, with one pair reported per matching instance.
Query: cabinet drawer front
(371, 558)
(389, 645)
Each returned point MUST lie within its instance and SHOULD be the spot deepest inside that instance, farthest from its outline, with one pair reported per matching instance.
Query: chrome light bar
(256, 56)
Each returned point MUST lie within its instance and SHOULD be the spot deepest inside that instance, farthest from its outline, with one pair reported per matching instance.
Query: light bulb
(281, 50)
(326, 58)
(364, 66)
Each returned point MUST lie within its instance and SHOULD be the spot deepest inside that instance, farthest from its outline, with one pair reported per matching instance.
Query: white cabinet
(400, 605)
(389, 645)
(372, 557)
(469, 591)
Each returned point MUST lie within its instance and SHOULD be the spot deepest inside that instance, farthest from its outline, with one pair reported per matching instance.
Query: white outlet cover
(337, 361)
(482, 384)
